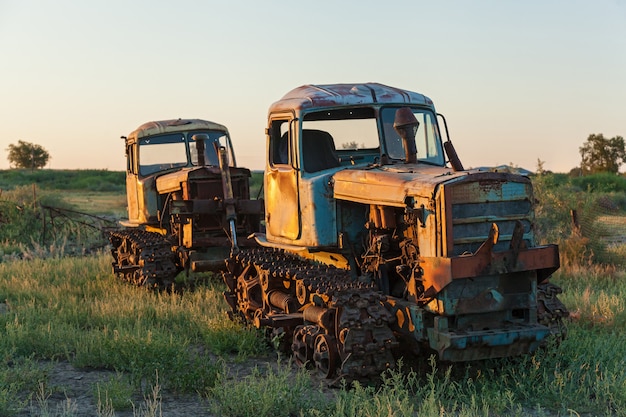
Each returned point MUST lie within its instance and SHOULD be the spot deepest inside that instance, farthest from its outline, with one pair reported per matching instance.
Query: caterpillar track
(143, 258)
(336, 323)
(550, 310)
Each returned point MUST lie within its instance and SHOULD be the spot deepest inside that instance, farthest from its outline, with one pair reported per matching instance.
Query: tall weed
(39, 223)
(573, 217)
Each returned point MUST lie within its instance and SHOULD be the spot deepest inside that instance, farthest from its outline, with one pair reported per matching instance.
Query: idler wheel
(248, 291)
(302, 353)
(325, 355)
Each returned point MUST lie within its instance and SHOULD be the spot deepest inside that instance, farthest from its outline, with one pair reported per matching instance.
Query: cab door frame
(281, 180)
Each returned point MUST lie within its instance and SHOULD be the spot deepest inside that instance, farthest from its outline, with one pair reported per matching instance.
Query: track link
(550, 310)
(143, 258)
(336, 323)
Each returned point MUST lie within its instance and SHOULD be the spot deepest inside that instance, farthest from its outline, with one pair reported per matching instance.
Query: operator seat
(318, 150)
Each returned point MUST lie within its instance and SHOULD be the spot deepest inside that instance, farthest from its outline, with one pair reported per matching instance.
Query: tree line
(598, 154)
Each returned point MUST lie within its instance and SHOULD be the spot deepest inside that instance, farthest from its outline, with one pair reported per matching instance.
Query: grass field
(74, 311)
(75, 341)
(105, 203)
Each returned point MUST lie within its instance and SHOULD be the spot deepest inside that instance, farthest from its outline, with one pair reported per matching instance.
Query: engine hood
(172, 181)
(390, 185)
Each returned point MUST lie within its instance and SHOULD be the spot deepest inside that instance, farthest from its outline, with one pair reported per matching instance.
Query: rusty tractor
(376, 237)
(188, 202)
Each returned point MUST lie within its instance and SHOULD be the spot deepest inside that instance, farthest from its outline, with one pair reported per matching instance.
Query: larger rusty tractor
(377, 237)
(188, 203)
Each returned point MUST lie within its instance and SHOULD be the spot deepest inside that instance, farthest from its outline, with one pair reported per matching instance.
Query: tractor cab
(161, 148)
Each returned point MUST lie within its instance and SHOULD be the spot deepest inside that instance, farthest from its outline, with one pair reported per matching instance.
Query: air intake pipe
(405, 124)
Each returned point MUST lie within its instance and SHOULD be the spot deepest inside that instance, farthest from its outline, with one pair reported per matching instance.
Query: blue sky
(517, 81)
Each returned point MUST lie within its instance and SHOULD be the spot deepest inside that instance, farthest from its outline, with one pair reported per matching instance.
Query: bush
(594, 198)
(600, 183)
(21, 215)
(27, 227)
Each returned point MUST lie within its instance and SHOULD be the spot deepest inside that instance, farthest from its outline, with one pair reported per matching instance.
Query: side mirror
(452, 156)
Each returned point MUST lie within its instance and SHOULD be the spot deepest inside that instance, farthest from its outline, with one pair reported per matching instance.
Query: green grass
(268, 392)
(115, 392)
(48, 179)
(73, 309)
(99, 203)
(256, 185)
(35, 221)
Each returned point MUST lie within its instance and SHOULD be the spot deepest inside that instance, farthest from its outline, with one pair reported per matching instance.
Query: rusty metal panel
(330, 95)
(445, 202)
(142, 200)
(440, 271)
(488, 301)
(188, 235)
(169, 183)
(132, 198)
(426, 227)
(173, 125)
(496, 189)
(318, 211)
(282, 215)
(486, 344)
(477, 201)
(390, 185)
(350, 217)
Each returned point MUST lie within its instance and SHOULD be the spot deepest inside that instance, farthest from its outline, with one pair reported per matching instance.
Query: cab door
(131, 184)
(282, 215)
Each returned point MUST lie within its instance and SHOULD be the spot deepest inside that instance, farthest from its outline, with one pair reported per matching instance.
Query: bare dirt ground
(70, 392)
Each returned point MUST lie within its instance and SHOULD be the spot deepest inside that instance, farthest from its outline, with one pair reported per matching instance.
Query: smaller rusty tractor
(188, 202)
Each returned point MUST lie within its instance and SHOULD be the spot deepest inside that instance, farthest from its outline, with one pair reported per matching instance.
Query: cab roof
(173, 125)
(320, 96)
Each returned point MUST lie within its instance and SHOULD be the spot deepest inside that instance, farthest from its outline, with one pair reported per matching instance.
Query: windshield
(352, 136)
(176, 150)
(210, 156)
(158, 153)
(350, 129)
(427, 139)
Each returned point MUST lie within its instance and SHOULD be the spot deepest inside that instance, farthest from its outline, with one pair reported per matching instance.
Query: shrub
(594, 201)
(600, 183)
(27, 227)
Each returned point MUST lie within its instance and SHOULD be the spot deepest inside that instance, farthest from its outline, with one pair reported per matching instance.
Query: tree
(600, 154)
(27, 155)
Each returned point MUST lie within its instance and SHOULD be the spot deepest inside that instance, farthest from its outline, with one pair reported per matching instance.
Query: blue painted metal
(484, 344)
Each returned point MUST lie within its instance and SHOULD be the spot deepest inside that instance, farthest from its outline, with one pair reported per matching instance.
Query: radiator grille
(477, 204)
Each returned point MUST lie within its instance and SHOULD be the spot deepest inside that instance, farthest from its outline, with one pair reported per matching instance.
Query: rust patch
(439, 272)
(282, 204)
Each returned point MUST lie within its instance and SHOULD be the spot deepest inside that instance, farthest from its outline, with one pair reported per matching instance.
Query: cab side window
(279, 143)
(130, 159)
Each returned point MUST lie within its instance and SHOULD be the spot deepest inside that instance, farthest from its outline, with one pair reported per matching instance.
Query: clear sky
(517, 80)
